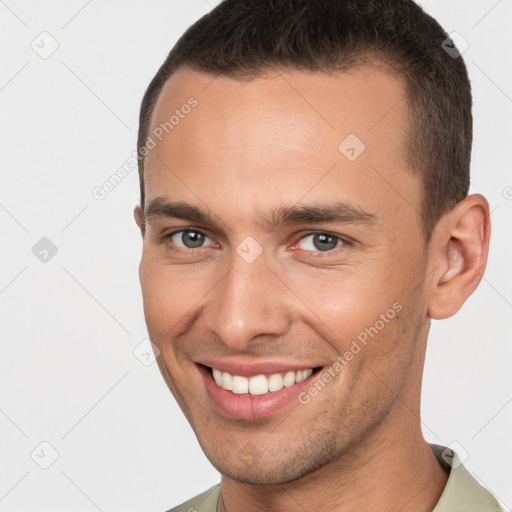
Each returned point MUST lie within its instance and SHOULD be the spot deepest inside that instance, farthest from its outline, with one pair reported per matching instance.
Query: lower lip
(251, 407)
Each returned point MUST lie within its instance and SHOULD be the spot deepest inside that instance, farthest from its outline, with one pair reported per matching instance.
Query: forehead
(280, 137)
(311, 105)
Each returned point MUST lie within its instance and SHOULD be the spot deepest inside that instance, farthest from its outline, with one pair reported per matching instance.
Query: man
(305, 213)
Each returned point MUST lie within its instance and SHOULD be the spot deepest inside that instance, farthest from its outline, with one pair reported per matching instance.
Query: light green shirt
(461, 494)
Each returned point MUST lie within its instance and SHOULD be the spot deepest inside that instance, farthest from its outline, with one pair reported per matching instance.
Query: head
(310, 202)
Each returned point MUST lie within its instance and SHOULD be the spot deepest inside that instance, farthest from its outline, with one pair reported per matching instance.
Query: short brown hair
(243, 38)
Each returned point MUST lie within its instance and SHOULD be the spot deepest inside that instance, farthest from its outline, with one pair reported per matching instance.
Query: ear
(139, 218)
(459, 245)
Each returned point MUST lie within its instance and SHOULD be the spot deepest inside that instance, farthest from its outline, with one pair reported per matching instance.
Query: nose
(250, 301)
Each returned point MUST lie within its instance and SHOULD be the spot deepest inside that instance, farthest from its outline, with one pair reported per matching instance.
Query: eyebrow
(337, 212)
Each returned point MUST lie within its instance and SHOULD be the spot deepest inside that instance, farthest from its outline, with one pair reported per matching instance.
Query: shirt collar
(462, 491)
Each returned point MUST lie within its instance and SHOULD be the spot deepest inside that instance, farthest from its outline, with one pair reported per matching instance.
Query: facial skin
(245, 150)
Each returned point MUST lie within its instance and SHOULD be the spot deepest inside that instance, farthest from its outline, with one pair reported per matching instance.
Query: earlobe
(461, 245)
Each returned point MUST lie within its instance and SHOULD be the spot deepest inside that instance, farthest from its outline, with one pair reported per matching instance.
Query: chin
(261, 476)
(249, 466)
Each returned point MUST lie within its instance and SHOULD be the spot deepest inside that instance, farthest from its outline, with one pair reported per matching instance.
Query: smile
(254, 391)
(258, 384)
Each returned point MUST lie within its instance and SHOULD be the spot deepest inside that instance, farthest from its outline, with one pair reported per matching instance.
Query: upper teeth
(259, 384)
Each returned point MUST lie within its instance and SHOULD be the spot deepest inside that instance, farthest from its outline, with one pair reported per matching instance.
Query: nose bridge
(247, 303)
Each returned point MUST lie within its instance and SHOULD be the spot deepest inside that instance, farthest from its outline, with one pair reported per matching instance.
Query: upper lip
(253, 368)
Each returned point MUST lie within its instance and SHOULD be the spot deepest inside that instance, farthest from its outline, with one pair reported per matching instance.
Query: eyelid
(168, 237)
(344, 239)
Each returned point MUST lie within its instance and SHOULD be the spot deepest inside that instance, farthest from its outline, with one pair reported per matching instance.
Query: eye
(189, 239)
(320, 242)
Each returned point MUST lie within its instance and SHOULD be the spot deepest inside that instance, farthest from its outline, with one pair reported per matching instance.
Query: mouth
(259, 384)
(258, 393)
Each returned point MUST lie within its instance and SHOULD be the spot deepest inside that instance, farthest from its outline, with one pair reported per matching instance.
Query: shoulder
(204, 502)
(462, 490)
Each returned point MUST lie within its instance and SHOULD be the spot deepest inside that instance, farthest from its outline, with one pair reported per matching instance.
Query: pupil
(192, 239)
(324, 242)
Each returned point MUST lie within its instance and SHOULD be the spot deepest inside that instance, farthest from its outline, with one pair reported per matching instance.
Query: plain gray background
(72, 320)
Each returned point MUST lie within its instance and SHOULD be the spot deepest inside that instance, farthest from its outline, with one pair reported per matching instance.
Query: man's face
(252, 288)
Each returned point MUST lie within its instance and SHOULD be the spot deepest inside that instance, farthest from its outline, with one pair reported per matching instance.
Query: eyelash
(345, 241)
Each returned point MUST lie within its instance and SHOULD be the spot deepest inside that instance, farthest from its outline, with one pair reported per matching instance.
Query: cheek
(342, 303)
(365, 312)
(168, 293)
(168, 303)
(157, 296)
(165, 303)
